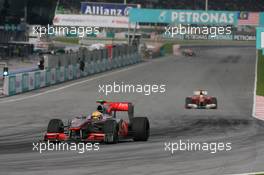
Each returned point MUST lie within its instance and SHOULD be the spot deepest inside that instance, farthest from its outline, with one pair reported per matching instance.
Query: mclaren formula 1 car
(188, 52)
(200, 100)
(103, 125)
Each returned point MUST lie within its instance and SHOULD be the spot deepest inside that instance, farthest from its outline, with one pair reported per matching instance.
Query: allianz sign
(106, 9)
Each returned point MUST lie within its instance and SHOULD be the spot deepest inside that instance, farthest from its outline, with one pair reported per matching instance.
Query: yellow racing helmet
(96, 115)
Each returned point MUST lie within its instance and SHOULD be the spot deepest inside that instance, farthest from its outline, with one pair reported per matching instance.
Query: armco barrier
(24, 82)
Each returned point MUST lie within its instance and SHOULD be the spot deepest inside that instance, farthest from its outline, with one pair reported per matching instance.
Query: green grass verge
(260, 74)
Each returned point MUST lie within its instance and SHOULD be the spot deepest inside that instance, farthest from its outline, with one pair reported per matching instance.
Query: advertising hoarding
(106, 9)
(91, 21)
(183, 16)
(260, 38)
(261, 19)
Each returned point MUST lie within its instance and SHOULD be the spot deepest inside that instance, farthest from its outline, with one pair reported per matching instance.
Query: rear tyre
(214, 101)
(55, 125)
(111, 131)
(188, 101)
(140, 128)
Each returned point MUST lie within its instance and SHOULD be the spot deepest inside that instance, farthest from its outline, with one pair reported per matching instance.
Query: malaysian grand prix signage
(183, 16)
(106, 9)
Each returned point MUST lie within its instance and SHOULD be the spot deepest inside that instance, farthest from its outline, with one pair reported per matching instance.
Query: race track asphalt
(226, 72)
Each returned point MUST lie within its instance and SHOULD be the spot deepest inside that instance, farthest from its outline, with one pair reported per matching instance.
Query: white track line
(253, 173)
(255, 86)
(73, 84)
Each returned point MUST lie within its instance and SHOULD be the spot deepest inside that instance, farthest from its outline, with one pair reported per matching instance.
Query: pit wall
(23, 82)
(86, 55)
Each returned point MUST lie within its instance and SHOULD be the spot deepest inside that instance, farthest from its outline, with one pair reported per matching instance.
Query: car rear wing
(113, 107)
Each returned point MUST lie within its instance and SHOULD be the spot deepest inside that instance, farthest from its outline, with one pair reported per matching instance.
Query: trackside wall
(23, 82)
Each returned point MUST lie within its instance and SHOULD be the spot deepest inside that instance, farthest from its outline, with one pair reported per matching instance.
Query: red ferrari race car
(188, 52)
(200, 100)
(103, 125)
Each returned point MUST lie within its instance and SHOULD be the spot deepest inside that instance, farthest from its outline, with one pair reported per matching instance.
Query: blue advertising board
(107, 9)
(183, 16)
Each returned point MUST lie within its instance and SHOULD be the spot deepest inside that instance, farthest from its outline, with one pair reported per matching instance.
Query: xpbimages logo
(172, 31)
(146, 89)
(62, 31)
(64, 146)
(187, 145)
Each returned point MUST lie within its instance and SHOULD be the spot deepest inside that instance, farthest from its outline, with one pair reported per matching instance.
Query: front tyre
(188, 101)
(55, 126)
